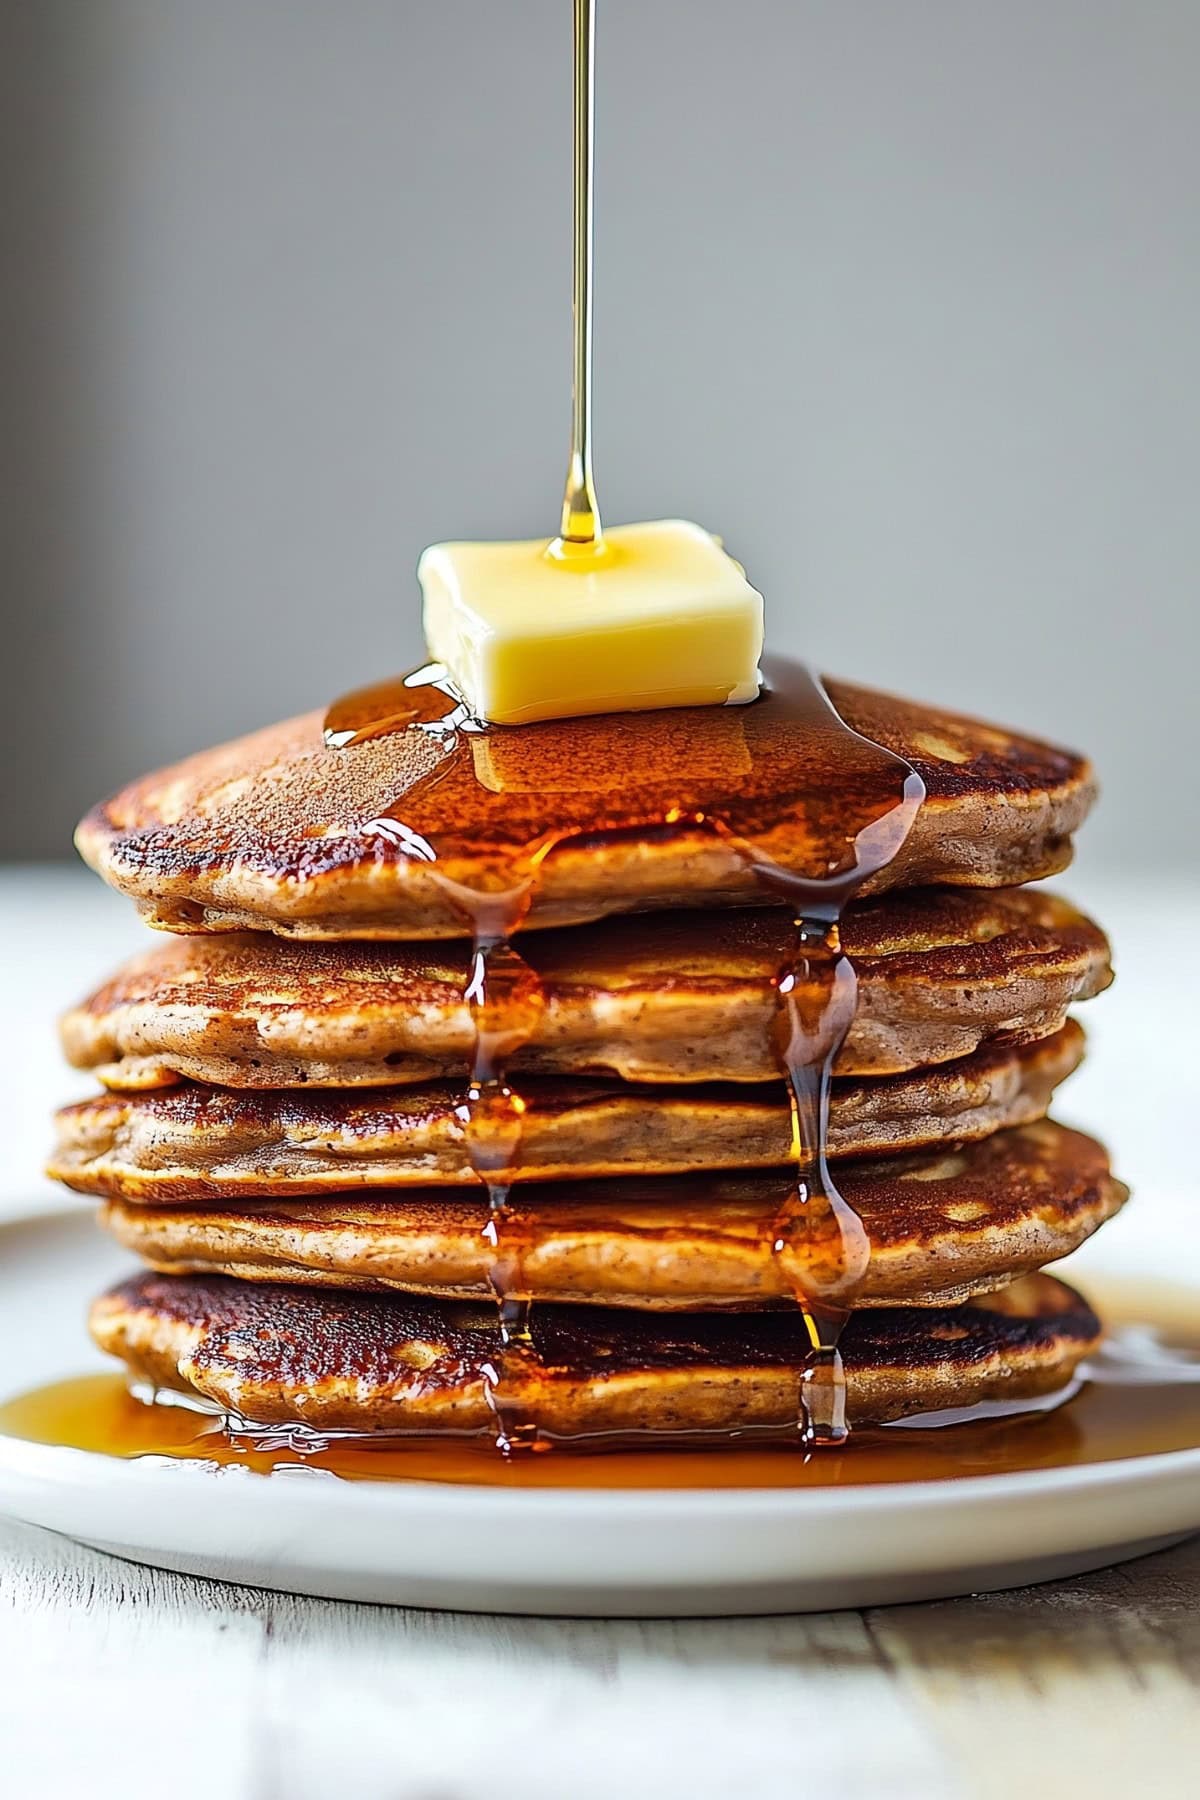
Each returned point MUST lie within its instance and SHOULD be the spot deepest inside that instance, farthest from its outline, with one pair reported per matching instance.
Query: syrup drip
(506, 1001)
(786, 764)
(821, 1241)
(817, 995)
(1140, 1397)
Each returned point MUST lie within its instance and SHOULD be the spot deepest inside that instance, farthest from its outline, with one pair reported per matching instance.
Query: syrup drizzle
(786, 770)
(506, 1001)
(621, 777)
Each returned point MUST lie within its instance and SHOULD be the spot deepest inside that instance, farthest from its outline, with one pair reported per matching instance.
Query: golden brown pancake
(278, 832)
(940, 1227)
(193, 1142)
(392, 1363)
(678, 997)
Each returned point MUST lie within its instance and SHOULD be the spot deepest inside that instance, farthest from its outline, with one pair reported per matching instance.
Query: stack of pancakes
(283, 1132)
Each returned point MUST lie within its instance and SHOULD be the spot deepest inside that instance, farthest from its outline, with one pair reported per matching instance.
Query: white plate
(630, 1554)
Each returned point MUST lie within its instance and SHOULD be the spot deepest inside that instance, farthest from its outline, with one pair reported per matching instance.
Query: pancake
(382, 837)
(387, 1364)
(941, 1228)
(679, 997)
(194, 1142)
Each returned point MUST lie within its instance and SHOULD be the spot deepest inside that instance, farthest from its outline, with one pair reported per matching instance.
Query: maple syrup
(786, 763)
(694, 770)
(1140, 1396)
(532, 789)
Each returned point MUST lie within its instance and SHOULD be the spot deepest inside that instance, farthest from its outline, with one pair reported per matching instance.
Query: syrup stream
(580, 511)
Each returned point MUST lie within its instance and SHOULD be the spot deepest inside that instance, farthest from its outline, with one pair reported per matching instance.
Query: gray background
(899, 295)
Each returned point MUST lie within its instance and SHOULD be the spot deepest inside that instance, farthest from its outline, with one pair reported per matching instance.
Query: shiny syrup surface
(1140, 1397)
(812, 807)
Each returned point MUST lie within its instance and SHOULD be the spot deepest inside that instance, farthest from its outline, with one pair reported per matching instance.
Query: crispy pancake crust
(277, 832)
(941, 1228)
(681, 997)
(191, 1142)
(387, 1364)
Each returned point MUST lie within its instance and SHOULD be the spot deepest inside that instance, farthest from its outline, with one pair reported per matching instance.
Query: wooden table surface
(122, 1681)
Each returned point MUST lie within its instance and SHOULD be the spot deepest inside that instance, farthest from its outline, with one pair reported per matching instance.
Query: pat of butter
(654, 615)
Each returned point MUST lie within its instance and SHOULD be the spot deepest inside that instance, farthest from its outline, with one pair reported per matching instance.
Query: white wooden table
(119, 1681)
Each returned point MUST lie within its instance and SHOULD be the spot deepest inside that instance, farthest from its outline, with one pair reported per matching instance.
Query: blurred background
(901, 297)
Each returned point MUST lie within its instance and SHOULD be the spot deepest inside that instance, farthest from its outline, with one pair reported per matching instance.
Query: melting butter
(649, 615)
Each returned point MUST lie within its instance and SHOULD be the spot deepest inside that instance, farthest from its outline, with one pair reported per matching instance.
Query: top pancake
(378, 839)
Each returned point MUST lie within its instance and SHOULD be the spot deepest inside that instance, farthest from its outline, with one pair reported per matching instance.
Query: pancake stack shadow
(282, 1131)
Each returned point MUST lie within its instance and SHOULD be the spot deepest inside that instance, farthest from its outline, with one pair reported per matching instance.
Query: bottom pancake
(392, 1363)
